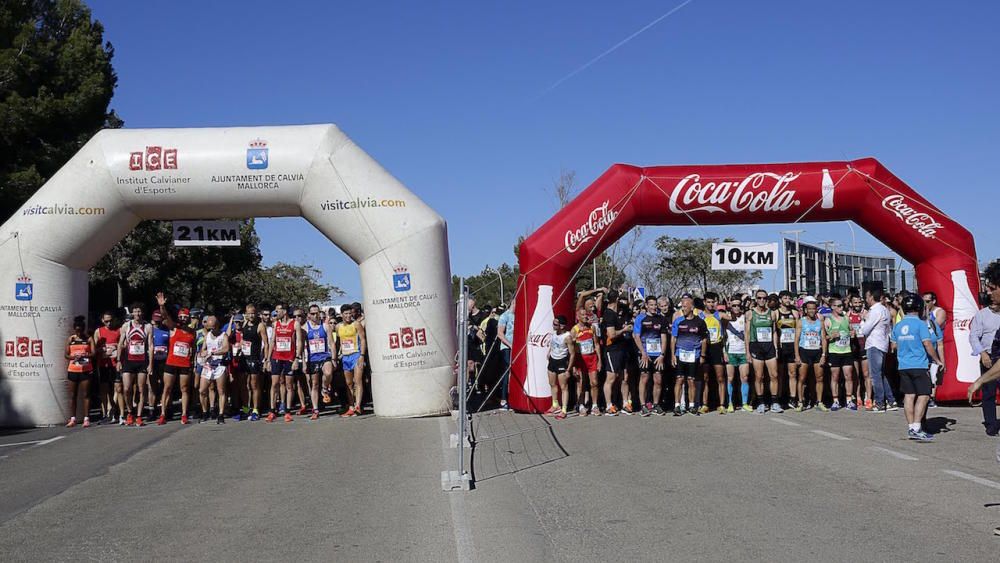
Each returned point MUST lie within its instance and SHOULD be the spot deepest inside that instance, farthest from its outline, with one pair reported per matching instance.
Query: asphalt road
(792, 487)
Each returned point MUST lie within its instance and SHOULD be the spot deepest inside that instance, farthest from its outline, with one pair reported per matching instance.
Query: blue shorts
(350, 360)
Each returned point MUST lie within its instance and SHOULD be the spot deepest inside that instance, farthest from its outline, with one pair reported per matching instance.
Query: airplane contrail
(613, 48)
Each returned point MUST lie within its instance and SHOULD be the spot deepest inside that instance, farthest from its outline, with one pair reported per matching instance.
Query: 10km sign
(745, 256)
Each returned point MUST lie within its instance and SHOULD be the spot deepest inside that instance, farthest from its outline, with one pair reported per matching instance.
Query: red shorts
(587, 362)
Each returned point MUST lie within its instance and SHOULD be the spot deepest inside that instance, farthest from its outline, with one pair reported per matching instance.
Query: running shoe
(703, 409)
(793, 404)
(138, 421)
(122, 422)
(504, 406)
(302, 410)
(892, 406)
(611, 411)
(658, 410)
(281, 407)
(747, 408)
(835, 406)
(595, 410)
(184, 419)
(776, 408)
(798, 407)
(254, 417)
(878, 407)
(553, 409)
(349, 412)
(204, 417)
(931, 404)
(627, 408)
(358, 410)
(645, 411)
(730, 409)
(270, 417)
(678, 411)
(221, 419)
(86, 422)
(238, 417)
(582, 409)
(561, 414)
(161, 421)
(822, 407)
(315, 415)
(288, 417)
(760, 409)
(852, 406)
(327, 399)
(129, 420)
(692, 409)
(923, 436)
(868, 404)
(71, 423)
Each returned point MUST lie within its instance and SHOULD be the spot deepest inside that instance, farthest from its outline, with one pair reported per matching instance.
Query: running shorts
(688, 370)
(78, 376)
(786, 354)
(809, 357)
(737, 360)
(614, 360)
(211, 374)
(587, 363)
(651, 366)
(134, 367)
(107, 374)
(559, 366)
(316, 367)
(762, 350)
(177, 370)
(281, 367)
(715, 357)
(915, 381)
(841, 360)
(158, 366)
(250, 365)
(350, 360)
(860, 353)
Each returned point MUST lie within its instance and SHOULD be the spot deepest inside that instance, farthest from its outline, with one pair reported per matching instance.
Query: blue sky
(454, 98)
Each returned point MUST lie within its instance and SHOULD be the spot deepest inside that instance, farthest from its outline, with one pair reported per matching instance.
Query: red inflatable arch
(862, 191)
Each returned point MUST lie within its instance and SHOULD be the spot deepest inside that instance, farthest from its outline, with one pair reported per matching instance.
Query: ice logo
(257, 155)
(23, 289)
(400, 279)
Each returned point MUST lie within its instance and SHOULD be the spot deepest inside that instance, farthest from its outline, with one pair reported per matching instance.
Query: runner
(562, 352)
(650, 332)
(736, 356)
(320, 367)
(588, 362)
(839, 333)
(216, 369)
(688, 345)
(352, 345)
(938, 316)
(283, 351)
(855, 318)
(274, 383)
(253, 343)
(238, 392)
(788, 318)
(80, 353)
(912, 340)
(134, 345)
(180, 353)
(106, 357)
(299, 371)
(161, 338)
(762, 344)
(810, 354)
(714, 359)
(612, 328)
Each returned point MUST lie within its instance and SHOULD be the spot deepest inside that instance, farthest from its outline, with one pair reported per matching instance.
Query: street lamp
(499, 277)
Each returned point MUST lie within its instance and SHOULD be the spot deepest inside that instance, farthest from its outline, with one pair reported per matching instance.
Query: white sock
(915, 427)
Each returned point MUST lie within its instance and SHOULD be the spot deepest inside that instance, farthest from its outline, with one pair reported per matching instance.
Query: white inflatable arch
(121, 177)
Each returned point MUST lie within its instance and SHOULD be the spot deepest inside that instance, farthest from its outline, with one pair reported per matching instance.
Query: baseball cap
(809, 299)
(184, 313)
(237, 318)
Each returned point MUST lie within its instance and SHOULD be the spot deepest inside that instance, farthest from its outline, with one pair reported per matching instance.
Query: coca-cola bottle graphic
(963, 308)
(827, 190)
(536, 382)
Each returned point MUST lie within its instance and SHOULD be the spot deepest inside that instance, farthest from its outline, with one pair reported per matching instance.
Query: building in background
(815, 269)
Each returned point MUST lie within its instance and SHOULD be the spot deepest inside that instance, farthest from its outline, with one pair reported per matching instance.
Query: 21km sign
(745, 256)
(206, 233)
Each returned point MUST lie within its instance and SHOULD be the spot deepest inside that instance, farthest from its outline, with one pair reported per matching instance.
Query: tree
(298, 285)
(686, 265)
(56, 81)
(485, 286)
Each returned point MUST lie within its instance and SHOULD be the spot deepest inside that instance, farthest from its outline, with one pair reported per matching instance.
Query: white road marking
(973, 478)
(893, 453)
(830, 435)
(785, 422)
(464, 547)
(35, 442)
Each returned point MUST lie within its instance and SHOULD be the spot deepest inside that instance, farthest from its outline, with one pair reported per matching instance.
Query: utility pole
(829, 277)
(798, 259)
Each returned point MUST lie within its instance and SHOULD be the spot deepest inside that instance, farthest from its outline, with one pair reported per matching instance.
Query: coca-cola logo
(761, 191)
(918, 221)
(962, 324)
(597, 221)
(540, 340)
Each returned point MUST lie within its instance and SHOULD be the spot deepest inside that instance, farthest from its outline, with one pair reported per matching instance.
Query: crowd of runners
(265, 362)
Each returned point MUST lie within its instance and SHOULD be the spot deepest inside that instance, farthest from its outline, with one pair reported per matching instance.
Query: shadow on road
(506, 443)
(939, 424)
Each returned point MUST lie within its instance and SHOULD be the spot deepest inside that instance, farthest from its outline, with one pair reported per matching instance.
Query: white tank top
(559, 346)
(734, 342)
(213, 344)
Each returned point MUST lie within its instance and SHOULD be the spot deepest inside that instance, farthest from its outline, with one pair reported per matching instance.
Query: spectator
(982, 334)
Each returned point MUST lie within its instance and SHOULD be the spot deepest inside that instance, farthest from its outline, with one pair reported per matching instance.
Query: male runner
(936, 316)
(253, 347)
(106, 357)
(299, 372)
(650, 333)
(134, 345)
(562, 352)
(688, 345)
(612, 328)
(588, 362)
(761, 341)
(180, 355)
(352, 346)
(320, 366)
(736, 355)
(912, 341)
(838, 332)
(283, 351)
(215, 370)
(810, 353)
(161, 338)
(855, 317)
(714, 359)
(788, 318)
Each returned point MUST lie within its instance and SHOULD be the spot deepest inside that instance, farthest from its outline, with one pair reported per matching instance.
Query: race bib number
(182, 349)
(283, 343)
(348, 347)
(713, 334)
(653, 347)
(246, 347)
(160, 351)
(317, 345)
(110, 350)
(811, 341)
(82, 361)
(687, 356)
(787, 335)
(844, 341)
(136, 348)
(763, 334)
(586, 346)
